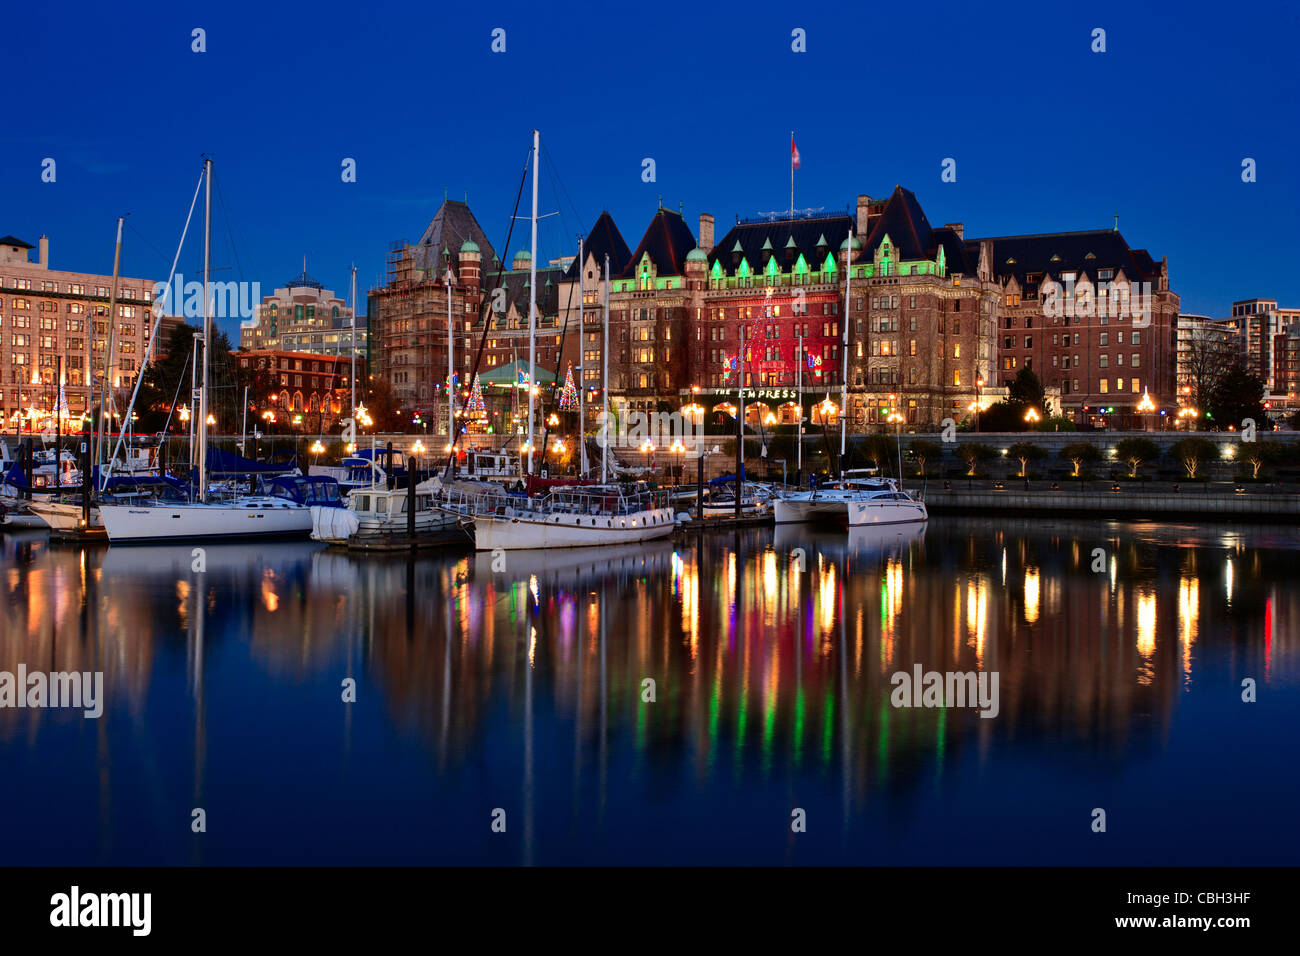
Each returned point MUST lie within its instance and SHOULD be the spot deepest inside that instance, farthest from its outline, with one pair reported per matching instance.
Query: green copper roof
(767, 243)
(845, 244)
(469, 245)
(696, 255)
(790, 243)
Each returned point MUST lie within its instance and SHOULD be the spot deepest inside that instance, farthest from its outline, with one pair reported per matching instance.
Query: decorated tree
(476, 404)
(568, 400)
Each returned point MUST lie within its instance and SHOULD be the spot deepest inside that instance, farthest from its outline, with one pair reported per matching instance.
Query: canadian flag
(794, 154)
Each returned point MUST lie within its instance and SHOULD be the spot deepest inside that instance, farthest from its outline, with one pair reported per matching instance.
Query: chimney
(706, 232)
(44, 245)
(955, 227)
(985, 268)
(864, 219)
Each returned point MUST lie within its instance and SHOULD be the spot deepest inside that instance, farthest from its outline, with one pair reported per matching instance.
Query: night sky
(1047, 135)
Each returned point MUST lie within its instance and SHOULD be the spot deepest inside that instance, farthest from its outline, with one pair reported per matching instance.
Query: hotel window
(911, 347)
(956, 377)
(956, 351)
(1076, 361)
(1135, 385)
(1103, 360)
(126, 311)
(1135, 360)
(1119, 337)
(1029, 341)
(20, 305)
(1105, 339)
(1119, 385)
(1137, 338)
(1119, 358)
(1054, 365)
(1105, 386)
(1105, 273)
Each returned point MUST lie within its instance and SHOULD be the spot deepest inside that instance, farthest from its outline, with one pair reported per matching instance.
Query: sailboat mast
(532, 312)
(799, 411)
(207, 329)
(353, 377)
(108, 356)
(605, 407)
(844, 371)
(582, 383)
(451, 384)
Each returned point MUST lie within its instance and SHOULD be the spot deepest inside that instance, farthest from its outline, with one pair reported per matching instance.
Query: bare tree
(1207, 354)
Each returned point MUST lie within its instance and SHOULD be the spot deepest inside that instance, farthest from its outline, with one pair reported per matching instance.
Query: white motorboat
(883, 500)
(375, 514)
(571, 517)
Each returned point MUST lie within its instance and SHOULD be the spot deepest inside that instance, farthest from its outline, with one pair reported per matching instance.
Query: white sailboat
(571, 517)
(250, 516)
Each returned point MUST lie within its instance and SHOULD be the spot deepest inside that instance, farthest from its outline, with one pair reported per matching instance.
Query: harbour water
(513, 688)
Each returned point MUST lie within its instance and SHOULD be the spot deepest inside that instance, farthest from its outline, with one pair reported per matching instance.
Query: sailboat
(249, 516)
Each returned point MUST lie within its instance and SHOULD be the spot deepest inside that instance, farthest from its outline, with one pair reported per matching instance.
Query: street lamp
(647, 449)
(1146, 407)
(1032, 416)
(679, 449)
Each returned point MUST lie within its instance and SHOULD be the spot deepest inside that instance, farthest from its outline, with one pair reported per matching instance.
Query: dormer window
(1105, 273)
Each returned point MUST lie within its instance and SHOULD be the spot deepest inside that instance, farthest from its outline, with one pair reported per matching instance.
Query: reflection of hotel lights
(977, 595)
(1031, 595)
(1189, 610)
(826, 597)
(1228, 579)
(1146, 623)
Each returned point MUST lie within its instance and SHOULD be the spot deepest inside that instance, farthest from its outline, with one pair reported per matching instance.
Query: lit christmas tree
(476, 404)
(569, 393)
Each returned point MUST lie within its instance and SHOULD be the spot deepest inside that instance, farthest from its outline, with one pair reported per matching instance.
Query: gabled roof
(15, 241)
(1050, 254)
(905, 222)
(515, 283)
(803, 236)
(603, 239)
(667, 240)
(449, 229)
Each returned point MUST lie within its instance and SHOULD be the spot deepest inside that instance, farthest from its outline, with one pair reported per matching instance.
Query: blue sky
(1047, 135)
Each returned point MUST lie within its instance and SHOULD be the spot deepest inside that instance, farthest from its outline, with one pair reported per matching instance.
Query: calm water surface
(771, 652)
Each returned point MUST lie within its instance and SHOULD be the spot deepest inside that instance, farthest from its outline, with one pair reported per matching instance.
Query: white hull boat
(244, 518)
(882, 510)
(854, 502)
(592, 516)
(64, 515)
(377, 514)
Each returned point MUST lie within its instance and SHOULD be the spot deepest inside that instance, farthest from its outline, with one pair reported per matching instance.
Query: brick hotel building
(46, 313)
(935, 320)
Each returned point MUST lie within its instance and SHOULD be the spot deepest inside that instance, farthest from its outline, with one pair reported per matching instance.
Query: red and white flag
(794, 153)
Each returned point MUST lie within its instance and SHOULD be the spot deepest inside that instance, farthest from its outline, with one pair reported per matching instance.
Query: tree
(922, 450)
(1238, 395)
(880, 450)
(1135, 451)
(973, 453)
(384, 408)
(1025, 452)
(1005, 416)
(1079, 453)
(1206, 356)
(1192, 451)
(1261, 453)
(1027, 390)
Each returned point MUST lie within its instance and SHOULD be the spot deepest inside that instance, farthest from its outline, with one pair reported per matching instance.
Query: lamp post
(678, 449)
(1146, 407)
(1032, 416)
(979, 387)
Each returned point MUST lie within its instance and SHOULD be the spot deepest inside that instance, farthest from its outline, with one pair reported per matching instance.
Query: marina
(517, 681)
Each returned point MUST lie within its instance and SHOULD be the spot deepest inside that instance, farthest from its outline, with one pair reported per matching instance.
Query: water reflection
(770, 654)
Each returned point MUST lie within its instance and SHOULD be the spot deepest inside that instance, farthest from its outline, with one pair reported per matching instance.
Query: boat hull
(132, 524)
(340, 526)
(803, 510)
(877, 513)
(64, 515)
(511, 533)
